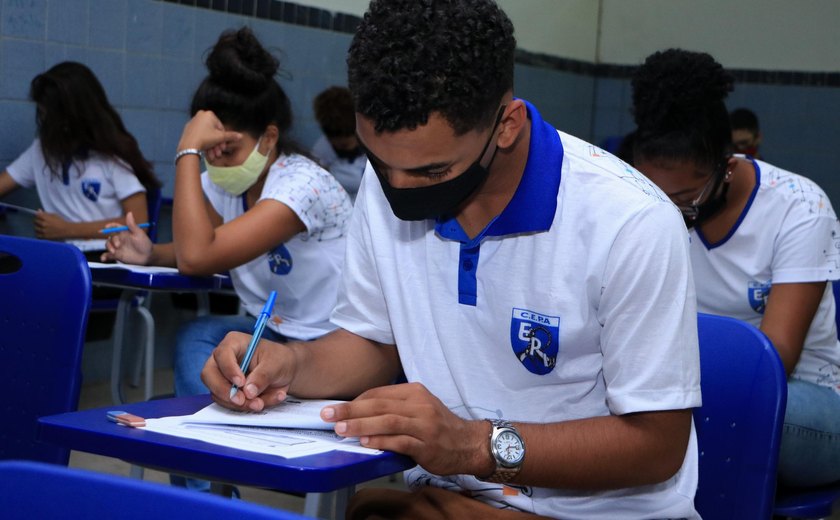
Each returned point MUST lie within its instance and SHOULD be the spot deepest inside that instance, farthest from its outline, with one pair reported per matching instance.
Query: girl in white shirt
(764, 244)
(87, 168)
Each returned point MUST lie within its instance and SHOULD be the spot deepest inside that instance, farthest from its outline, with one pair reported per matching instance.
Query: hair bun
(675, 87)
(239, 62)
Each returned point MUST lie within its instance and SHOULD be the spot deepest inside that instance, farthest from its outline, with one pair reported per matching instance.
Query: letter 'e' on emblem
(535, 339)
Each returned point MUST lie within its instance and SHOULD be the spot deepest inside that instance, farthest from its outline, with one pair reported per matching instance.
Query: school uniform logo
(535, 339)
(90, 189)
(279, 260)
(757, 293)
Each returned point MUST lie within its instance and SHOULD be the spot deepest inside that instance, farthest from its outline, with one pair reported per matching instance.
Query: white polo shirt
(576, 302)
(304, 270)
(88, 190)
(787, 233)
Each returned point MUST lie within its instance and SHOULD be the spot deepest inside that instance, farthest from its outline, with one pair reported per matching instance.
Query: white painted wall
(564, 28)
(802, 35)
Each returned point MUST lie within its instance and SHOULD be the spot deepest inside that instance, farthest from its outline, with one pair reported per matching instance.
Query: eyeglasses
(692, 209)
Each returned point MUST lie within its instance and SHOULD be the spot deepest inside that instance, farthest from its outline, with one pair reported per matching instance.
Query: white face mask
(237, 179)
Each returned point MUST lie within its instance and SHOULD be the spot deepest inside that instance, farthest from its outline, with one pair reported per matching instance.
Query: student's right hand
(207, 133)
(270, 373)
(130, 247)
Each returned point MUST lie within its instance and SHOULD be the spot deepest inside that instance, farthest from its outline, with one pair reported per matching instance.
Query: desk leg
(149, 349)
(202, 304)
(123, 307)
(328, 505)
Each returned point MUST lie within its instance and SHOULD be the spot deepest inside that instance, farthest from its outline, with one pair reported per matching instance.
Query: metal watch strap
(501, 475)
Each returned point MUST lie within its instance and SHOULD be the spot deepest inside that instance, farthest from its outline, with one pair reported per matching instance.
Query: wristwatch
(507, 449)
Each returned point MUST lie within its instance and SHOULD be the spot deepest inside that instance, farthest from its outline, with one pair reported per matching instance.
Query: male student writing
(531, 287)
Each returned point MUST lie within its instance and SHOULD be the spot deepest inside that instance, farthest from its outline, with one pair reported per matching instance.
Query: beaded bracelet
(187, 151)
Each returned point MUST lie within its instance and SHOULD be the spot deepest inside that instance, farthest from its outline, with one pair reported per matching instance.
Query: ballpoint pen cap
(269, 304)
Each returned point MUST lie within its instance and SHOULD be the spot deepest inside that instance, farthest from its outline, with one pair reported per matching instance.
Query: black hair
(74, 117)
(679, 110)
(334, 112)
(744, 118)
(241, 88)
(410, 58)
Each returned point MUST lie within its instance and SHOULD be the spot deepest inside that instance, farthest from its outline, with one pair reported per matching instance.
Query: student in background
(746, 134)
(484, 262)
(764, 244)
(272, 217)
(86, 166)
(338, 149)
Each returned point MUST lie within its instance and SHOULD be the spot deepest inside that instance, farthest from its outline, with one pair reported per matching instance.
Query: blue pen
(255, 338)
(117, 229)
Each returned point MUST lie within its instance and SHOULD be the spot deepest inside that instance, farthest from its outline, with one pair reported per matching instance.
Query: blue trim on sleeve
(743, 214)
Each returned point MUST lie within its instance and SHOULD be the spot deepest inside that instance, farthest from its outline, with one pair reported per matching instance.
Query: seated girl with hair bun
(261, 210)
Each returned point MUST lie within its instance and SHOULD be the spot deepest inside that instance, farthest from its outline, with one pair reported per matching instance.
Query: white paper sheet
(137, 268)
(259, 432)
(93, 244)
(292, 413)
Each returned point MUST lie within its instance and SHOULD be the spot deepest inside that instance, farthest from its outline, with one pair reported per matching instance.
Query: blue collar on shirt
(534, 203)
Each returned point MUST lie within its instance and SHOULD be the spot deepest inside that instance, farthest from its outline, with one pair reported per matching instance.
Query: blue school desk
(133, 282)
(334, 473)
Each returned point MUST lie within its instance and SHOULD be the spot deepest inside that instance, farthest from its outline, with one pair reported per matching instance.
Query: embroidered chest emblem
(535, 339)
(757, 293)
(280, 260)
(91, 189)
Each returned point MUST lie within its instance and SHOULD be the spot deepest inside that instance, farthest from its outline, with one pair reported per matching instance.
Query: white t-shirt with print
(305, 270)
(788, 233)
(93, 188)
(576, 302)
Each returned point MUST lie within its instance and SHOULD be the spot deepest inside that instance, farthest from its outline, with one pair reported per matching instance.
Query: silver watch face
(508, 448)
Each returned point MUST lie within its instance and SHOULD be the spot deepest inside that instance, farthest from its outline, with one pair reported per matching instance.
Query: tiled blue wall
(801, 124)
(148, 55)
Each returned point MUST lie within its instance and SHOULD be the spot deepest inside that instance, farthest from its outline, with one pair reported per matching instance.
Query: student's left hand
(50, 226)
(408, 419)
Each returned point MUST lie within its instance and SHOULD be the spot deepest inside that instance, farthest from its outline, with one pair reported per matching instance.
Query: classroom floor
(98, 394)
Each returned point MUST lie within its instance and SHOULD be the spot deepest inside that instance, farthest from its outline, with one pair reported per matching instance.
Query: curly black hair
(241, 88)
(410, 58)
(679, 110)
(334, 112)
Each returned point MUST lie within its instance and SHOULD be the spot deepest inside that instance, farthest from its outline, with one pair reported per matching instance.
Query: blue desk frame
(133, 282)
(333, 472)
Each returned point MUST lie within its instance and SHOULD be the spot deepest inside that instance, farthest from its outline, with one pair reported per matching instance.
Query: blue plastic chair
(816, 502)
(35, 490)
(44, 302)
(740, 423)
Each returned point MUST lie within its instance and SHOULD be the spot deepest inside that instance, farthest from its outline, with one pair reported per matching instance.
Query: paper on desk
(259, 432)
(291, 413)
(147, 269)
(94, 244)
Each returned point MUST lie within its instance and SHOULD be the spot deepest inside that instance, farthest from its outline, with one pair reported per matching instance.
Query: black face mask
(437, 200)
(348, 155)
(709, 208)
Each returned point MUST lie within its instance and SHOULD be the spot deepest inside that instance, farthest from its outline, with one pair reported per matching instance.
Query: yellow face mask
(237, 179)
